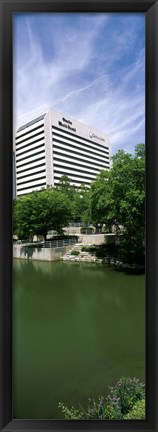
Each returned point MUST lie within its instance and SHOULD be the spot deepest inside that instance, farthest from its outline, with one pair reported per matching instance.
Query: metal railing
(59, 243)
(76, 224)
(94, 231)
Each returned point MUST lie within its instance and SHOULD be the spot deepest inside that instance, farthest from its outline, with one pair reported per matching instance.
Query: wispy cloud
(89, 66)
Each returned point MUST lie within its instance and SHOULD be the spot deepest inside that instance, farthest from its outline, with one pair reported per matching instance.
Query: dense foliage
(79, 198)
(125, 394)
(126, 399)
(115, 201)
(137, 412)
(118, 200)
(38, 212)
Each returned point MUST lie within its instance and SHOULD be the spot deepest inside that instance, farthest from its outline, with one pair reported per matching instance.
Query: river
(77, 328)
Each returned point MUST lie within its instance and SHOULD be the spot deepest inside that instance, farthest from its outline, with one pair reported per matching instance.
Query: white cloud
(82, 80)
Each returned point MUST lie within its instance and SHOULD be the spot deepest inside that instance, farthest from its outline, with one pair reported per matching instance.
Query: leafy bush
(87, 249)
(75, 252)
(107, 250)
(70, 413)
(98, 410)
(137, 412)
(95, 409)
(125, 394)
(112, 412)
(126, 400)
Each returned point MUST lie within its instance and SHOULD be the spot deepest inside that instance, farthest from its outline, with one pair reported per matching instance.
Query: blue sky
(89, 66)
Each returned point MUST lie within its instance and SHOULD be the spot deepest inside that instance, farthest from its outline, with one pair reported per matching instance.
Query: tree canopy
(40, 211)
(118, 199)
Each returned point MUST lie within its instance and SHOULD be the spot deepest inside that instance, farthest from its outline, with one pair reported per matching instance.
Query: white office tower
(53, 145)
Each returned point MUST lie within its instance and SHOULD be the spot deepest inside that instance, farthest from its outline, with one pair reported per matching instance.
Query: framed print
(78, 215)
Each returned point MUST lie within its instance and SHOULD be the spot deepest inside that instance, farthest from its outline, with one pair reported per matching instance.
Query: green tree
(82, 204)
(102, 203)
(118, 199)
(22, 211)
(66, 187)
(79, 198)
(38, 212)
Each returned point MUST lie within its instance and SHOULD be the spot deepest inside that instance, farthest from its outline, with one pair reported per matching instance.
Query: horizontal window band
(85, 169)
(73, 181)
(31, 162)
(82, 150)
(84, 145)
(58, 175)
(32, 155)
(32, 149)
(78, 136)
(29, 137)
(31, 180)
(30, 187)
(28, 144)
(81, 158)
(76, 167)
(78, 164)
(74, 151)
(30, 168)
(76, 158)
(31, 174)
(74, 175)
(30, 131)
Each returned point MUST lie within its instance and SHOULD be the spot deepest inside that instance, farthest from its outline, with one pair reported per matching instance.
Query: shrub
(70, 413)
(107, 250)
(125, 394)
(87, 249)
(137, 412)
(112, 412)
(75, 252)
(95, 409)
(98, 409)
(126, 400)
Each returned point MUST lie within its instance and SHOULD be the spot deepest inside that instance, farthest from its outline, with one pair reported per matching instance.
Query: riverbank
(55, 250)
(37, 253)
(85, 253)
(79, 252)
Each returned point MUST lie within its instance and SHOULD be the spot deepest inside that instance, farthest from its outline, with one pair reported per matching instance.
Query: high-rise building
(53, 145)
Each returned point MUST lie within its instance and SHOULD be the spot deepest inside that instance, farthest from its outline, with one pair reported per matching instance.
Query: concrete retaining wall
(96, 239)
(72, 230)
(39, 254)
(91, 239)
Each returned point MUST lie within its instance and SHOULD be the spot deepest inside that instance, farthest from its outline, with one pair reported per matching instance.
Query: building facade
(53, 145)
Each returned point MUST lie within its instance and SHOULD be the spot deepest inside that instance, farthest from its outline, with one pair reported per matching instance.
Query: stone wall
(96, 239)
(39, 254)
(72, 230)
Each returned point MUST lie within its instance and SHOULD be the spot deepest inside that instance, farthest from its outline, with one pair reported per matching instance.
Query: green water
(77, 328)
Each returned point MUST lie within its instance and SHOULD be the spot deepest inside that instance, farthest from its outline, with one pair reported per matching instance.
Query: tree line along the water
(114, 200)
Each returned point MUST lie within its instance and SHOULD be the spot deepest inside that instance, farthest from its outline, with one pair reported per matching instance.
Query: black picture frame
(150, 8)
